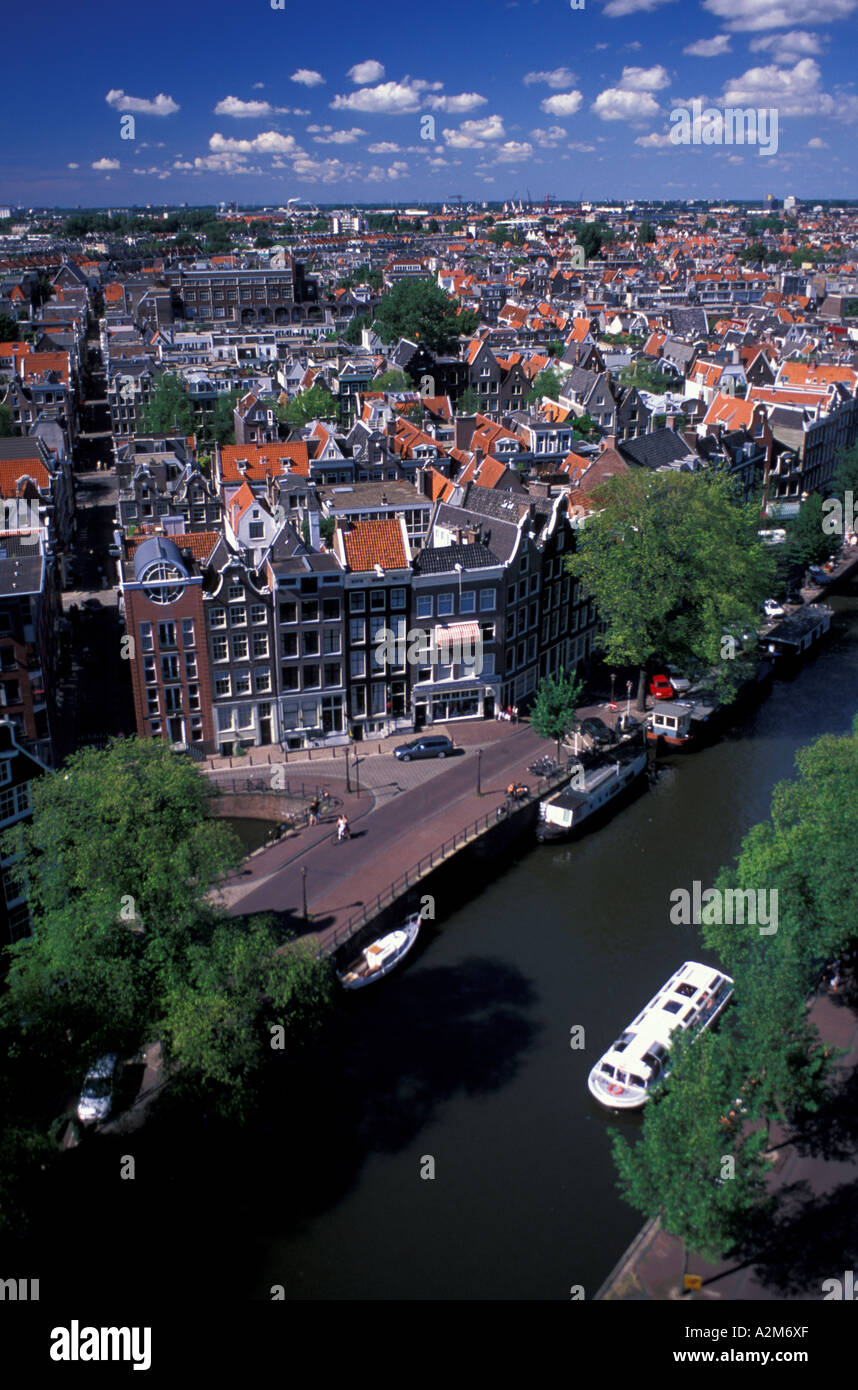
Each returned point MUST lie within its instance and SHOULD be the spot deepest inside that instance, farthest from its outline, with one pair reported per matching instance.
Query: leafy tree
(8, 329)
(392, 380)
(415, 413)
(222, 427)
(584, 425)
(556, 348)
(646, 233)
(646, 376)
(807, 543)
(433, 225)
(419, 309)
(592, 236)
(671, 560)
(554, 712)
(313, 404)
(850, 309)
(468, 402)
(7, 421)
(547, 383)
(169, 407)
(845, 479)
(218, 238)
(676, 1171)
(352, 334)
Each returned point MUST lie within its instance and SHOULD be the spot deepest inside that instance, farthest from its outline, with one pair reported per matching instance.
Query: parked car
(661, 687)
(597, 731)
(429, 746)
(818, 575)
(679, 682)
(772, 609)
(96, 1097)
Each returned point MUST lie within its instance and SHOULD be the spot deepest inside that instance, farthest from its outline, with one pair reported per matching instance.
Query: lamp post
(479, 771)
(613, 701)
(348, 779)
(628, 697)
(304, 889)
(357, 774)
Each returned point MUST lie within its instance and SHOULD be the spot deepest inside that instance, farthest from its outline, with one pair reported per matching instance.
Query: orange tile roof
(264, 461)
(13, 471)
(200, 543)
(371, 543)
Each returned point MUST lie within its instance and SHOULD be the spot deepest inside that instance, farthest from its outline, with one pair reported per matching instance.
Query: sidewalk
(813, 1235)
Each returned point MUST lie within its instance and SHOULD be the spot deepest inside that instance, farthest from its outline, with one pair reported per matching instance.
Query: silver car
(96, 1097)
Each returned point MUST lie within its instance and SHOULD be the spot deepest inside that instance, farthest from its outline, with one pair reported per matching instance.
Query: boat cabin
(670, 720)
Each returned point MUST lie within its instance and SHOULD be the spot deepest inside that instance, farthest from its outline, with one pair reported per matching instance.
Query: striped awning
(465, 636)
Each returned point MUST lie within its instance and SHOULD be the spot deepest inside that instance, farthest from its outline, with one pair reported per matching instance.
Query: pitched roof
(263, 461)
(371, 543)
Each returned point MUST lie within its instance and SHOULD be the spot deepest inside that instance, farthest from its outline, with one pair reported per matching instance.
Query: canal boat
(381, 956)
(598, 781)
(670, 723)
(788, 640)
(693, 998)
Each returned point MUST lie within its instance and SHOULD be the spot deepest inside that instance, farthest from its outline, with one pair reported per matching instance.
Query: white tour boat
(693, 998)
(381, 956)
(600, 779)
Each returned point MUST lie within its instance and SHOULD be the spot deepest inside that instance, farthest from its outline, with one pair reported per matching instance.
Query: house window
(468, 602)
(289, 643)
(166, 635)
(170, 668)
(330, 609)
(311, 643)
(223, 685)
(377, 599)
(191, 666)
(289, 677)
(239, 648)
(332, 673)
(289, 612)
(260, 644)
(445, 605)
(357, 601)
(312, 677)
(379, 702)
(487, 600)
(150, 675)
(424, 606)
(397, 598)
(310, 611)
(188, 639)
(256, 530)
(147, 643)
(357, 630)
(262, 680)
(257, 612)
(235, 593)
(238, 617)
(242, 683)
(219, 649)
(217, 617)
(358, 665)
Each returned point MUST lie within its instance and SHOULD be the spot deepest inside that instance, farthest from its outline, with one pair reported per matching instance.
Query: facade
(237, 297)
(18, 770)
(376, 559)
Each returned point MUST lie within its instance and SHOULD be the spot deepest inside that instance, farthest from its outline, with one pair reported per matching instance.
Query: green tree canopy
(8, 329)
(671, 560)
(554, 712)
(547, 383)
(468, 403)
(419, 309)
(392, 380)
(313, 404)
(807, 543)
(222, 427)
(169, 407)
(7, 421)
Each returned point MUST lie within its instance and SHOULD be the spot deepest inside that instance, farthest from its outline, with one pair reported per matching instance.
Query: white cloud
(453, 105)
(581, 147)
(234, 106)
(397, 170)
(563, 104)
(557, 77)
(104, 164)
(339, 137)
(644, 79)
(384, 147)
(388, 99)
(458, 141)
(72, 166)
(323, 170)
(161, 105)
(550, 138)
(814, 144)
(514, 151)
(793, 91)
(370, 71)
(307, 77)
(777, 14)
(268, 142)
(615, 104)
(182, 164)
(226, 163)
(709, 48)
(654, 141)
(376, 174)
(257, 86)
(616, 9)
(785, 48)
(485, 128)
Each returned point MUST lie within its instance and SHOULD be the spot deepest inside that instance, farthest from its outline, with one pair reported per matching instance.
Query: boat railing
(433, 860)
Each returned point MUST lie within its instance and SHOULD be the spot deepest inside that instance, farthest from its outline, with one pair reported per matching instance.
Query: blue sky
(330, 103)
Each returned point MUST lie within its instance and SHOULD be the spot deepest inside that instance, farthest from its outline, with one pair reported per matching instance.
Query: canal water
(459, 1064)
(465, 1057)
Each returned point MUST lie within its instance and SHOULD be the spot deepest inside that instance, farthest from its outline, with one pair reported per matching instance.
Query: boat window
(621, 1076)
(688, 991)
(652, 1062)
(636, 1080)
(672, 1006)
(688, 1015)
(715, 983)
(620, 1046)
(607, 1069)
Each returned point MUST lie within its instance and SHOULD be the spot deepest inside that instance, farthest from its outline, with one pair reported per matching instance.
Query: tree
(218, 239)
(547, 383)
(8, 329)
(169, 408)
(807, 543)
(392, 380)
(647, 376)
(556, 348)
(646, 233)
(592, 236)
(419, 309)
(7, 421)
(676, 1171)
(554, 712)
(468, 403)
(671, 560)
(313, 404)
(845, 478)
(222, 427)
(352, 334)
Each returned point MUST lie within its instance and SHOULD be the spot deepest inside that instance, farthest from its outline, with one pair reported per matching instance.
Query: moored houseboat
(793, 636)
(691, 1000)
(597, 784)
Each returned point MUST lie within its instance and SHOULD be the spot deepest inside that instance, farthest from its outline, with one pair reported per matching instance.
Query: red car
(661, 689)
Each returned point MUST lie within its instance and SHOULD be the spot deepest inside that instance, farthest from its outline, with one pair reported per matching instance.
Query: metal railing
(435, 858)
(300, 791)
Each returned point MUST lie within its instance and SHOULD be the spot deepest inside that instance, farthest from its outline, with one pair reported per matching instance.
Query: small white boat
(693, 998)
(381, 956)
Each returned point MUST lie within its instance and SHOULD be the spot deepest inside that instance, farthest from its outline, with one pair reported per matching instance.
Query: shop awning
(465, 636)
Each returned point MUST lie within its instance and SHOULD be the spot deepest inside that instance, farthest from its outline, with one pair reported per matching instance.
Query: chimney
(609, 442)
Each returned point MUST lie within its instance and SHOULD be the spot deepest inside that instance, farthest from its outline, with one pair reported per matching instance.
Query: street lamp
(458, 569)
(613, 701)
(357, 774)
(479, 770)
(304, 889)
